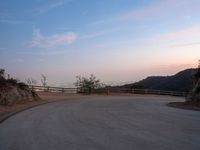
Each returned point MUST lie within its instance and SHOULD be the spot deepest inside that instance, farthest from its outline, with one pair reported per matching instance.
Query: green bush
(87, 85)
(22, 85)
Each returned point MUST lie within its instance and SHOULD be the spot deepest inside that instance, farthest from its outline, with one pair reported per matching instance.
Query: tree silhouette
(43, 80)
(2, 73)
(87, 85)
(31, 81)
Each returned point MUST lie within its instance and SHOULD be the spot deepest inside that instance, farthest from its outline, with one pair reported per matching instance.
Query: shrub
(87, 85)
(22, 85)
(12, 81)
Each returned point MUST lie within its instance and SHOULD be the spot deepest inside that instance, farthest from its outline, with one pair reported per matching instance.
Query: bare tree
(2, 76)
(31, 81)
(44, 80)
(2, 73)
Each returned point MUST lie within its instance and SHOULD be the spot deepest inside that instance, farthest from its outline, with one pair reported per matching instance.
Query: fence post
(108, 91)
(159, 92)
(184, 94)
(77, 90)
(46, 88)
(146, 91)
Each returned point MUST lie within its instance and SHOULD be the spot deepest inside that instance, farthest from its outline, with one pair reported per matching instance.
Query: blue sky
(119, 41)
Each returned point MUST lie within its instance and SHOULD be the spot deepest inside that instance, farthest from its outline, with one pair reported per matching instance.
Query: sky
(120, 41)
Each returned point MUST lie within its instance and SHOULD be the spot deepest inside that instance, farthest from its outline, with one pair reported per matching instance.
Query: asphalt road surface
(103, 123)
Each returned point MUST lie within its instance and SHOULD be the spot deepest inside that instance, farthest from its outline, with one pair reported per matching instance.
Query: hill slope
(182, 81)
(13, 92)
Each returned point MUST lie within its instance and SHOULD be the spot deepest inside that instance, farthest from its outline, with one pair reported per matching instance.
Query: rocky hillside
(182, 81)
(13, 92)
(194, 95)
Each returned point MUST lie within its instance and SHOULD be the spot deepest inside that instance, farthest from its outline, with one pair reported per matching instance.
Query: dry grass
(46, 97)
(185, 105)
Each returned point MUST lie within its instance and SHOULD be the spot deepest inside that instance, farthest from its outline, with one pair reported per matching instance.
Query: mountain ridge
(181, 81)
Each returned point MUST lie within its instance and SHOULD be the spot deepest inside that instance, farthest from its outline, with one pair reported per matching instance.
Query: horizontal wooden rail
(53, 89)
(140, 91)
(158, 92)
(108, 90)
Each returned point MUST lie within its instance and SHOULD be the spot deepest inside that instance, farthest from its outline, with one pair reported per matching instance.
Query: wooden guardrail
(140, 91)
(54, 89)
(158, 92)
(109, 91)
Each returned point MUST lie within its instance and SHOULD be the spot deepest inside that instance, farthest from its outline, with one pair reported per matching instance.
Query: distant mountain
(182, 81)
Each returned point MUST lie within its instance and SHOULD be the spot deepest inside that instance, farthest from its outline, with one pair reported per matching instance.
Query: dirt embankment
(45, 97)
(192, 100)
(15, 94)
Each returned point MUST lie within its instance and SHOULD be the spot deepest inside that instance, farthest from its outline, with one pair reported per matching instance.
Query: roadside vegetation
(194, 95)
(13, 91)
(87, 85)
(193, 98)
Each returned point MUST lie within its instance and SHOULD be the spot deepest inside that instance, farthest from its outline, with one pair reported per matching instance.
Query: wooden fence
(54, 89)
(140, 91)
(158, 92)
(108, 91)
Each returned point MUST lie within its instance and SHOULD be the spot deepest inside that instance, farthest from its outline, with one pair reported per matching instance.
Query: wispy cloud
(10, 21)
(38, 40)
(1, 48)
(184, 45)
(19, 60)
(99, 33)
(159, 9)
(6, 18)
(50, 6)
(169, 69)
(43, 53)
(4, 15)
(186, 17)
(185, 32)
(182, 37)
(187, 36)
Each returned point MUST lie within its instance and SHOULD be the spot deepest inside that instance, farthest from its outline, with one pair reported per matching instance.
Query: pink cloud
(184, 45)
(169, 69)
(187, 32)
(50, 6)
(162, 8)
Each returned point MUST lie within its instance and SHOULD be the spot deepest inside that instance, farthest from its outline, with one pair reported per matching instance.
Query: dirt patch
(12, 94)
(185, 105)
(46, 97)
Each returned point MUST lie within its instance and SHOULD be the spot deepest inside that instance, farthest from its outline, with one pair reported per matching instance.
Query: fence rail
(108, 91)
(141, 91)
(54, 89)
(159, 92)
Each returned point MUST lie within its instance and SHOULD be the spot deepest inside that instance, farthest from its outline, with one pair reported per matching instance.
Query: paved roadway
(103, 123)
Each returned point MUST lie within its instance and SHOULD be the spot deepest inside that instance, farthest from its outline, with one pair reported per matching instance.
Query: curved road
(103, 123)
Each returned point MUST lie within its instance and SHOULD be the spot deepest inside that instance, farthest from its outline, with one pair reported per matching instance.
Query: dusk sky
(120, 41)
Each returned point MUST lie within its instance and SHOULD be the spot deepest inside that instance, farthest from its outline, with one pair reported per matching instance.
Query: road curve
(103, 123)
